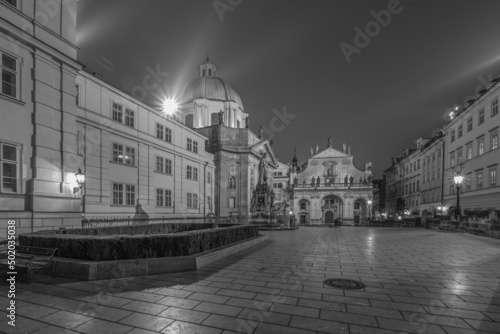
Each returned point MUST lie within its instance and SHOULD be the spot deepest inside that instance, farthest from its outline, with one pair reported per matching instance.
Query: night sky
(278, 54)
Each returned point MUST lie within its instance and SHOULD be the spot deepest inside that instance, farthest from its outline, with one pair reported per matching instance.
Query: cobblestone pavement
(417, 281)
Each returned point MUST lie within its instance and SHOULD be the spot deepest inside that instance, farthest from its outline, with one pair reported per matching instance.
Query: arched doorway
(332, 209)
(329, 217)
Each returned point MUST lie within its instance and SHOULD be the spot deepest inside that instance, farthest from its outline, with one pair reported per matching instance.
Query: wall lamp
(80, 179)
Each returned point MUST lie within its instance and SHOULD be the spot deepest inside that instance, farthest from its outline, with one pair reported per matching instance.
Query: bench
(29, 259)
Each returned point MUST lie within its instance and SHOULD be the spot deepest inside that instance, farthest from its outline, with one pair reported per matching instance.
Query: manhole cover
(342, 283)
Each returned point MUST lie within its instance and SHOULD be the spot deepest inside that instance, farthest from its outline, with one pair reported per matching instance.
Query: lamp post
(458, 179)
(369, 209)
(80, 180)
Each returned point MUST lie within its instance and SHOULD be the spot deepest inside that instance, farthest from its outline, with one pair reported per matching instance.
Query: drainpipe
(204, 189)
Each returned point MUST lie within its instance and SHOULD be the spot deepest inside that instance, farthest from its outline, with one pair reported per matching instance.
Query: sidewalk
(417, 281)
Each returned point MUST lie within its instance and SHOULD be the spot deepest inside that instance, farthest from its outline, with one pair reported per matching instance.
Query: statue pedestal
(262, 203)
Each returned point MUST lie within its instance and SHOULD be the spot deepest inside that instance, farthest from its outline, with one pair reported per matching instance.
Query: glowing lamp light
(370, 202)
(458, 179)
(291, 212)
(80, 180)
(170, 106)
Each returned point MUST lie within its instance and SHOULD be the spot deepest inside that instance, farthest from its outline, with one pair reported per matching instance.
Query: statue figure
(317, 148)
(369, 178)
(313, 181)
(330, 141)
(346, 179)
(221, 117)
(295, 180)
(263, 169)
(349, 149)
(232, 182)
(344, 149)
(360, 179)
(312, 151)
(351, 180)
(317, 181)
(246, 122)
(261, 131)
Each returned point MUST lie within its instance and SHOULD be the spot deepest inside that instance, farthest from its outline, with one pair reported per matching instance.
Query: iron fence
(96, 222)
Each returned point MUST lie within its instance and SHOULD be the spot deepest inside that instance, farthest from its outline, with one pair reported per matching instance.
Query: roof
(210, 88)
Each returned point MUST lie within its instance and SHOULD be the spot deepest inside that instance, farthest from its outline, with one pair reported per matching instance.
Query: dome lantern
(207, 69)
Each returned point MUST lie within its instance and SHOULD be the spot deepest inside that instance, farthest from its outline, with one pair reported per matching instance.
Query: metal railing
(96, 222)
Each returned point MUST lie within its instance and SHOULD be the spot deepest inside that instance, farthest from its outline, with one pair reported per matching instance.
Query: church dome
(209, 86)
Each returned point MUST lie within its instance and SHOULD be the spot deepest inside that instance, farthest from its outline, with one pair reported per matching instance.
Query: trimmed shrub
(121, 247)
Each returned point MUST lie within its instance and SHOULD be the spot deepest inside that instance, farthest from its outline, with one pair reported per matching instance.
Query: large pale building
(472, 150)
(328, 187)
(57, 120)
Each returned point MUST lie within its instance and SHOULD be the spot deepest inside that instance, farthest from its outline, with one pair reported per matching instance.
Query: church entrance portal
(329, 217)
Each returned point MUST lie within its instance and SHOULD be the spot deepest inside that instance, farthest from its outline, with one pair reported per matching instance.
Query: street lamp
(458, 179)
(369, 209)
(80, 179)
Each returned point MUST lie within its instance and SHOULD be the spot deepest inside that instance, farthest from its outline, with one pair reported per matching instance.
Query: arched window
(209, 72)
(203, 72)
(189, 121)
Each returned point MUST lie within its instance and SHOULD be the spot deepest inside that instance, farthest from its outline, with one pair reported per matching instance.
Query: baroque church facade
(328, 187)
(215, 110)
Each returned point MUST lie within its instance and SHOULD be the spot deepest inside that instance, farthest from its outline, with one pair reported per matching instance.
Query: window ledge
(12, 99)
(122, 164)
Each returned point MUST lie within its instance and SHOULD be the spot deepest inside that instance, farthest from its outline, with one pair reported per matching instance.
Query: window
(163, 133)
(460, 130)
(192, 173)
(192, 145)
(479, 179)
(118, 156)
(480, 146)
(238, 124)
(209, 177)
(418, 185)
(452, 135)
(459, 156)
(189, 121)
(494, 107)
(302, 206)
(163, 197)
(192, 201)
(494, 141)
(123, 191)
(9, 168)
(10, 75)
(77, 98)
(469, 124)
(480, 119)
(469, 151)
(117, 112)
(209, 203)
(452, 159)
(163, 165)
(129, 118)
(493, 177)
(11, 2)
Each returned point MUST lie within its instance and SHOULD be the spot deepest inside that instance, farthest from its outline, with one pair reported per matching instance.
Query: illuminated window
(480, 146)
(493, 177)
(480, 119)
(469, 124)
(469, 151)
(118, 154)
(494, 140)
(494, 107)
(479, 180)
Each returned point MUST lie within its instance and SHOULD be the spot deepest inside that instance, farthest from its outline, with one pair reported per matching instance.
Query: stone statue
(232, 182)
(313, 181)
(261, 131)
(263, 169)
(312, 151)
(349, 149)
(346, 179)
(221, 117)
(344, 148)
(317, 149)
(247, 122)
(330, 141)
(351, 180)
(318, 180)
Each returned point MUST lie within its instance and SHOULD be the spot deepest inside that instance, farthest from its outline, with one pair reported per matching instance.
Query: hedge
(121, 247)
(162, 228)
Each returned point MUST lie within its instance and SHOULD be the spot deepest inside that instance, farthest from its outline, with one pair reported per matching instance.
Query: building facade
(329, 187)
(215, 110)
(432, 162)
(472, 150)
(57, 120)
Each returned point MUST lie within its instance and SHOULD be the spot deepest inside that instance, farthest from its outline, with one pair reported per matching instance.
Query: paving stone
(102, 327)
(296, 310)
(144, 307)
(184, 315)
(272, 329)
(205, 297)
(265, 316)
(65, 319)
(364, 320)
(180, 327)
(374, 311)
(319, 325)
(179, 302)
(146, 321)
(218, 309)
(23, 325)
(173, 292)
(230, 323)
